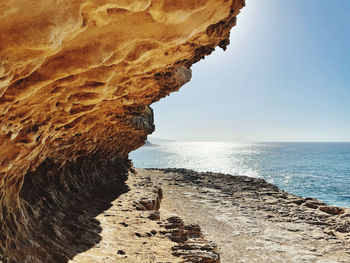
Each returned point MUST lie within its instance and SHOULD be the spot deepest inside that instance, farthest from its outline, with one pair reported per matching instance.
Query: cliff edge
(76, 82)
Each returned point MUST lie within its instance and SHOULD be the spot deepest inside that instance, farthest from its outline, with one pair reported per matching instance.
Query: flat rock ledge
(183, 216)
(253, 221)
(135, 231)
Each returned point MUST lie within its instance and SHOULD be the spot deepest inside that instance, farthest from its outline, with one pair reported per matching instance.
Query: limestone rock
(151, 202)
(76, 82)
(192, 246)
(333, 210)
(251, 219)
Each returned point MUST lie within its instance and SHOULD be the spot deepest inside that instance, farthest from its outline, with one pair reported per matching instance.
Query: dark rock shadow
(61, 204)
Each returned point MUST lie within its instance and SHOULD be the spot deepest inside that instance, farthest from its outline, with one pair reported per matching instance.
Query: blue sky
(285, 77)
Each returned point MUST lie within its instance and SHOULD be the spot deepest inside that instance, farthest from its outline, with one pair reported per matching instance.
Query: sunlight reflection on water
(320, 170)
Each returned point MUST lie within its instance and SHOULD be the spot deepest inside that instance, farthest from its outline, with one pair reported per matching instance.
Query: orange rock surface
(76, 81)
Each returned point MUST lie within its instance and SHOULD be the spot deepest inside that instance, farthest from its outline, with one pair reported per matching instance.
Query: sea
(318, 170)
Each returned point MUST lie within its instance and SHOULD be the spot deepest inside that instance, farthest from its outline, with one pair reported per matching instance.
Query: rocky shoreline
(179, 215)
(254, 221)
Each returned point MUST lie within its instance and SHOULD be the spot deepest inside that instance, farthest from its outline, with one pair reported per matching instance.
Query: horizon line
(244, 141)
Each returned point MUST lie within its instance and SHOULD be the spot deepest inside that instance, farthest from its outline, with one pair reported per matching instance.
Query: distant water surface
(319, 170)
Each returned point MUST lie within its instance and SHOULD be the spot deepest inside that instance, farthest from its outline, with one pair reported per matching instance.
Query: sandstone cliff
(76, 82)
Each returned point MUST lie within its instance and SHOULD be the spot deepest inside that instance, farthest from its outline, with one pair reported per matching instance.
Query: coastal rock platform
(253, 221)
(132, 230)
(179, 215)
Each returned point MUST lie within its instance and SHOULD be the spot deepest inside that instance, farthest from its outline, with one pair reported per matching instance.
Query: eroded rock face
(76, 82)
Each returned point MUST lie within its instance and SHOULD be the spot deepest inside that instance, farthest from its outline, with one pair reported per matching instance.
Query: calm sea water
(319, 170)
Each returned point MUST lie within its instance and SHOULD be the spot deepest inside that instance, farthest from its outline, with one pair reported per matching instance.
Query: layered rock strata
(76, 82)
(191, 245)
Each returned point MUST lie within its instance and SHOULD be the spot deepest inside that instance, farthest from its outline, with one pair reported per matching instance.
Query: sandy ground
(126, 232)
(248, 228)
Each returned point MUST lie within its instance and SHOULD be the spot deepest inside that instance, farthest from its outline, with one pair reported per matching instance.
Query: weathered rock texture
(130, 234)
(253, 221)
(76, 82)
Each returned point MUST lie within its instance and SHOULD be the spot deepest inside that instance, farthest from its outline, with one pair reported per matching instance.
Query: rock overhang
(77, 79)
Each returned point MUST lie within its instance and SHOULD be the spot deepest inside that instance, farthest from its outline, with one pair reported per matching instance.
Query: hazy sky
(285, 77)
